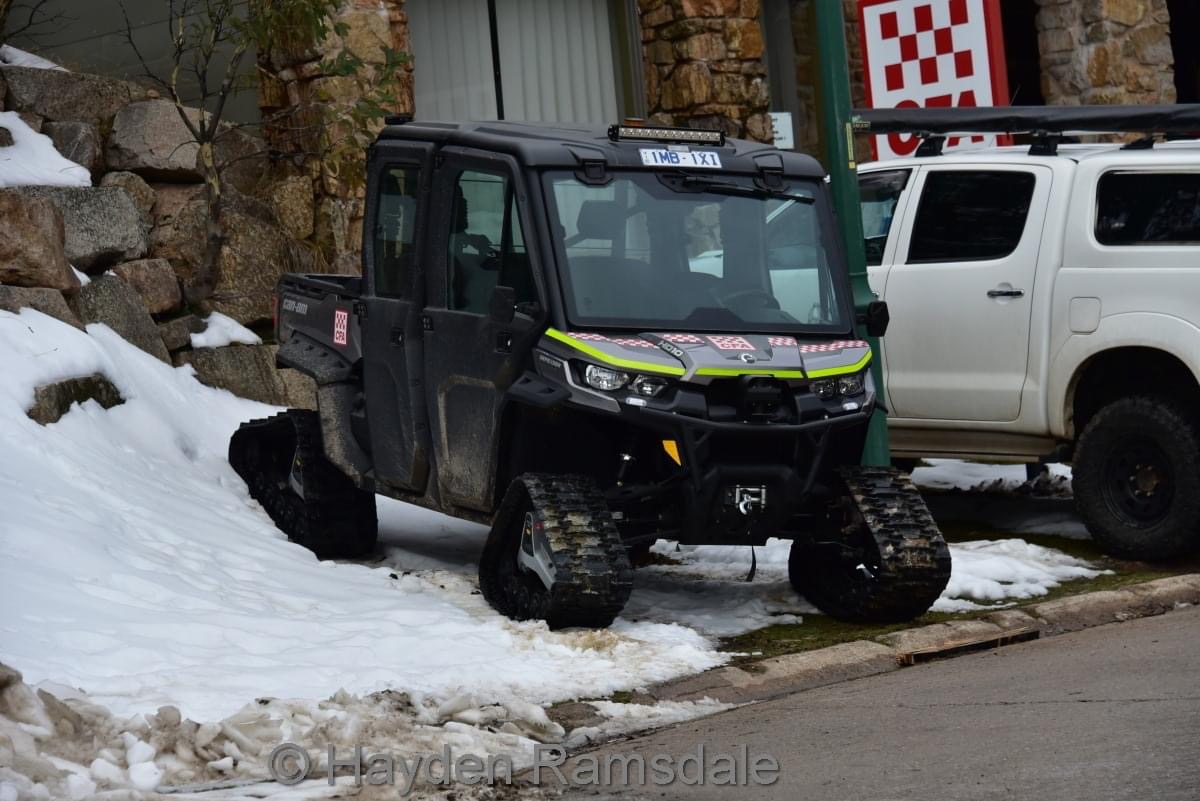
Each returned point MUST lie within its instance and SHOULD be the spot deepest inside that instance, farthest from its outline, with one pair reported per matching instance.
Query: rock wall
(312, 200)
(703, 65)
(1105, 51)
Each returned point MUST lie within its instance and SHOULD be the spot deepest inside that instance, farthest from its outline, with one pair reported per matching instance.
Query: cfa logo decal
(341, 326)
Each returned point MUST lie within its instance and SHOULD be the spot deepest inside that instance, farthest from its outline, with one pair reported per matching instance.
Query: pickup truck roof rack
(1048, 124)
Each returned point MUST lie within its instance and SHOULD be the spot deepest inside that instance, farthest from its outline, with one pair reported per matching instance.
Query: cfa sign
(931, 54)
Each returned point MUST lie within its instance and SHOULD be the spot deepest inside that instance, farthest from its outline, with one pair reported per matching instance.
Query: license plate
(654, 157)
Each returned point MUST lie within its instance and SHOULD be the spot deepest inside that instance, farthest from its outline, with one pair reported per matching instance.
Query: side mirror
(877, 318)
(502, 305)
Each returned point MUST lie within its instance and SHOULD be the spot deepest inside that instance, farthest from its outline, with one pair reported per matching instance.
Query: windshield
(672, 251)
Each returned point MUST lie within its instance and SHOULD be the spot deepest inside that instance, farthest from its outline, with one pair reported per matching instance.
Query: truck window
(487, 246)
(972, 215)
(880, 192)
(1148, 208)
(395, 223)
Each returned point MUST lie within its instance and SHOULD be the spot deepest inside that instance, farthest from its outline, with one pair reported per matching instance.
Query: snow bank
(220, 331)
(952, 474)
(134, 565)
(12, 57)
(32, 160)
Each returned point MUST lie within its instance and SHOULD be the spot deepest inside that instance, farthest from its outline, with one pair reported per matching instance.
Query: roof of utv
(569, 145)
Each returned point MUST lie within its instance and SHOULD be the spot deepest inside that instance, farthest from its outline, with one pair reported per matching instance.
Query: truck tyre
(882, 558)
(283, 463)
(554, 554)
(1136, 478)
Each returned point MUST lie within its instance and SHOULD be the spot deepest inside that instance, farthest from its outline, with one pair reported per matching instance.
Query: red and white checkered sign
(341, 326)
(932, 54)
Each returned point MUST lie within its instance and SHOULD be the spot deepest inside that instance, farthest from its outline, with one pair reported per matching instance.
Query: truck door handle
(1006, 293)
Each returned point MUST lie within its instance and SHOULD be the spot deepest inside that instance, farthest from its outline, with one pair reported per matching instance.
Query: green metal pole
(836, 111)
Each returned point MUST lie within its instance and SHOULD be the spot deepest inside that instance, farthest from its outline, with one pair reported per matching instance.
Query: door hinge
(360, 310)
(426, 322)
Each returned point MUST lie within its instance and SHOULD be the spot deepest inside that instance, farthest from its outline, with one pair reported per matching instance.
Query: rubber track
(593, 576)
(334, 519)
(915, 564)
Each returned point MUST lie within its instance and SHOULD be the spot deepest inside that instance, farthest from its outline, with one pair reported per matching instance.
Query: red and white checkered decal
(589, 337)
(830, 347)
(683, 339)
(932, 54)
(730, 343)
(632, 342)
(341, 326)
(782, 342)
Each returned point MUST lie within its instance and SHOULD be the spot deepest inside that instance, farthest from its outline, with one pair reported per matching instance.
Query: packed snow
(136, 573)
(220, 330)
(31, 159)
(13, 57)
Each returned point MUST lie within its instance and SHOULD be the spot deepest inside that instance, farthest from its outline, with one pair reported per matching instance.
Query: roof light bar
(619, 133)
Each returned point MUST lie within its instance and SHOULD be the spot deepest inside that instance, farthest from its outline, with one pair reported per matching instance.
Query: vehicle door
(960, 292)
(397, 210)
(884, 196)
(471, 355)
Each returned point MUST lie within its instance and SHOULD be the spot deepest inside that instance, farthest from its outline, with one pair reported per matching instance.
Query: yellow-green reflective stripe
(823, 373)
(614, 361)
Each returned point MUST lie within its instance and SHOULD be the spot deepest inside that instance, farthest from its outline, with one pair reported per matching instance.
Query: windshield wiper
(698, 183)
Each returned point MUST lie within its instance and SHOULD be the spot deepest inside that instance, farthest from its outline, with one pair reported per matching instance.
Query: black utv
(591, 338)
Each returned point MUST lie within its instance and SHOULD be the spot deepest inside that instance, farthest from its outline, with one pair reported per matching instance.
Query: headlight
(825, 388)
(603, 378)
(852, 384)
(648, 386)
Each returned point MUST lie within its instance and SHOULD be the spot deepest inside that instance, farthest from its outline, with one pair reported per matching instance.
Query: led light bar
(632, 133)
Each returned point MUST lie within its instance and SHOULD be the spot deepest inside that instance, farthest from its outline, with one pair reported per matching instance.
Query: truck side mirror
(876, 318)
(502, 304)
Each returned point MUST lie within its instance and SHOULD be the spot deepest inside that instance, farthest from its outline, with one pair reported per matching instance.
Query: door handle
(1006, 293)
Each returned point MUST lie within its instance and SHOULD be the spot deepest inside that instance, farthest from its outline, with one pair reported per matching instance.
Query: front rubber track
(593, 576)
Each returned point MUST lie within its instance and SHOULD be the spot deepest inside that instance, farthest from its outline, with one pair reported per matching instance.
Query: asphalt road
(1107, 713)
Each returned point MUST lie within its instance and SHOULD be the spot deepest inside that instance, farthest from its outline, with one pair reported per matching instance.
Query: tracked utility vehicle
(590, 339)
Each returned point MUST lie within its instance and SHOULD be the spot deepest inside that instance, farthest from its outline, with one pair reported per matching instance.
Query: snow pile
(952, 474)
(31, 160)
(133, 564)
(991, 572)
(13, 57)
(220, 331)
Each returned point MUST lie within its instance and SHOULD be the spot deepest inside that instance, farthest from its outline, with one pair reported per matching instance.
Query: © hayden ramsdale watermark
(291, 764)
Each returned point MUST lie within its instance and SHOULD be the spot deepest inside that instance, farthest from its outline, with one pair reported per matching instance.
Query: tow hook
(749, 500)
(866, 571)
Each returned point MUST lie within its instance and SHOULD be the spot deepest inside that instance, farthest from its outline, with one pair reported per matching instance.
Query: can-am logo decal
(341, 325)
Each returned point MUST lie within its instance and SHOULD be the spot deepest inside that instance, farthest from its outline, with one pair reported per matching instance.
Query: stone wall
(704, 67)
(1105, 52)
(317, 204)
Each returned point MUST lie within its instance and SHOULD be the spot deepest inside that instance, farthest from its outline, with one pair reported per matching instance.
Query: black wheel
(282, 461)
(1136, 478)
(880, 557)
(554, 554)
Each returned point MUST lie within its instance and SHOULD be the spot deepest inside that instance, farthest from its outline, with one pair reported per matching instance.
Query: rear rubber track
(334, 518)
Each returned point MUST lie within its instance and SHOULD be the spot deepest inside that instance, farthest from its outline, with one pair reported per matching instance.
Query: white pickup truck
(1045, 304)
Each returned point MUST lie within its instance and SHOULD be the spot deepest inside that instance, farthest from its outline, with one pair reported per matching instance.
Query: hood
(706, 356)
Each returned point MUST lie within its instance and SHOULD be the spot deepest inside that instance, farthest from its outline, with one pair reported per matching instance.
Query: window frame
(911, 177)
(910, 236)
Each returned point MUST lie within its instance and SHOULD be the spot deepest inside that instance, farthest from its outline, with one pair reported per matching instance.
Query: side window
(971, 216)
(1148, 208)
(395, 225)
(487, 246)
(880, 192)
